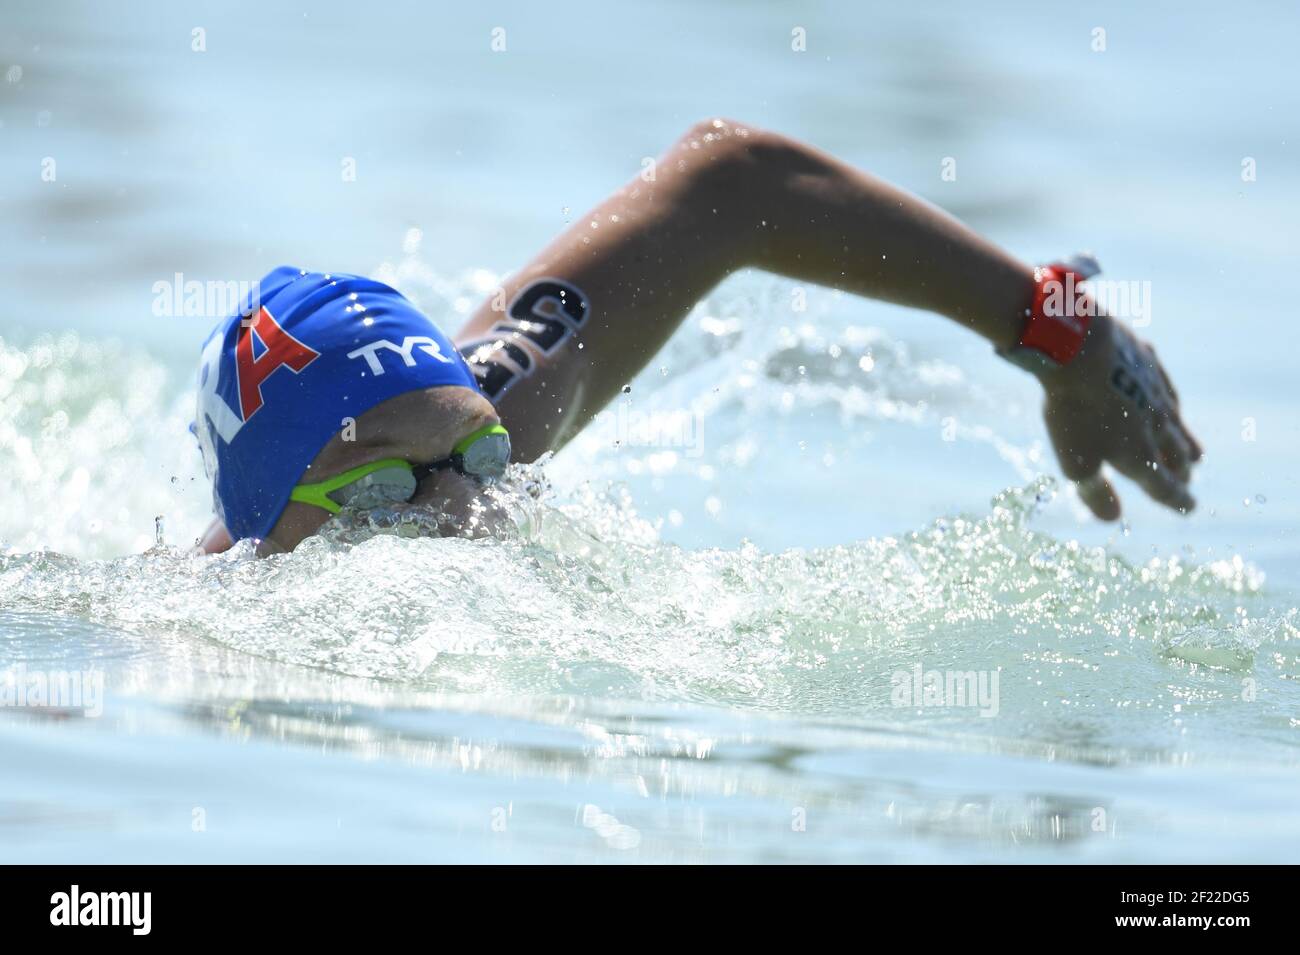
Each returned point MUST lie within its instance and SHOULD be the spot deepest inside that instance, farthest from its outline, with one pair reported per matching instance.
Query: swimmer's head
(295, 369)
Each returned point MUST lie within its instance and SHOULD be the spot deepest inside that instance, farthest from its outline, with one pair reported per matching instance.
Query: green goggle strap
(318, 494)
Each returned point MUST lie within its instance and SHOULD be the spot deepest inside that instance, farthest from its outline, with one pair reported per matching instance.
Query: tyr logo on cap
(425, 344)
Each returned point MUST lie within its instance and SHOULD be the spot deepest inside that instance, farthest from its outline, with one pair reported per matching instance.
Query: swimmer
(332, 390)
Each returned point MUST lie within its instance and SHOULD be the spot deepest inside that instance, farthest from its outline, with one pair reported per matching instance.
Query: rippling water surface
(698, 637)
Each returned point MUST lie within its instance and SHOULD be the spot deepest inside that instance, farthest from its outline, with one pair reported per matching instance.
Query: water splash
(576, 594)
(580, 597)
(92, 441)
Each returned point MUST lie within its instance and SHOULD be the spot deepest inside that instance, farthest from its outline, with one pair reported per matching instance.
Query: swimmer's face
(418, 426)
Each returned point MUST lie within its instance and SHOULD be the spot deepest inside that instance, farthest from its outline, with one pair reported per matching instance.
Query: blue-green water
(685, 648)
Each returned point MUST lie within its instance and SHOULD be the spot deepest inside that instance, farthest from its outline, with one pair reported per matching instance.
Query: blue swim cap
(277, 379)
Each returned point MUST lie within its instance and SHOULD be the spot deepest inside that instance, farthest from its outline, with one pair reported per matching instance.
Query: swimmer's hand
(1115, 404)
(215, 539)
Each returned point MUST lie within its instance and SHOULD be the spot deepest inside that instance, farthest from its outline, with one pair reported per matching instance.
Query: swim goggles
(483, 454)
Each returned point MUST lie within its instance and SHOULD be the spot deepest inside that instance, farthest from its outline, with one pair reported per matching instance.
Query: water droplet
(1260, 499)
(627, 389)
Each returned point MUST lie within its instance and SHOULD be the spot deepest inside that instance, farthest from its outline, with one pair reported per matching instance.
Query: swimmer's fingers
(215, 539)
(1179, 442)
(1099, 496)
(1194, 450)
(1165, 380)
(1080, 454)
(1176, 450)
(1198, 452)
(1175, 447)
(1140, 462)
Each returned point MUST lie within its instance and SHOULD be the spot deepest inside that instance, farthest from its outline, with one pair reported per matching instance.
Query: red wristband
(1060, 310)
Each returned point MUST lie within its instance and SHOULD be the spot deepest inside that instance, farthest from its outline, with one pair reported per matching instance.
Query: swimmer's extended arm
(726, 197)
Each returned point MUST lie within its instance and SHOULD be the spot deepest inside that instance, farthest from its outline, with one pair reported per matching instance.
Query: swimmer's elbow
(742, 158)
